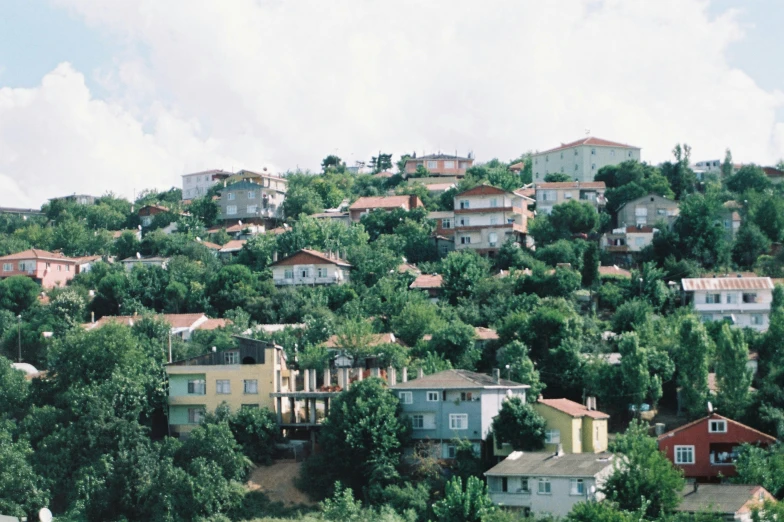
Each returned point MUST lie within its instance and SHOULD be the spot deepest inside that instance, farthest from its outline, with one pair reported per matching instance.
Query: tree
(750, 243)
(455, 341)
(18, 293)
(631, 315)
(590, 270)
(631, 180)
(682, 179)
(763, 466)
(733, 377)
(520, 425)
(14, 392)
(514, 357)
(126, 245)
(727, 165)
(256, 431)
(557, 177)
(355, 337)
(331, 162)
(691, 360)
(22, 492)
(574, 217)
(748, 177)
(342, 506)
(588, 511)
(634, 370)
(642, 479)
(381, 162)
(459, 505)
(461, 271)
(697, 233)
(415, 320)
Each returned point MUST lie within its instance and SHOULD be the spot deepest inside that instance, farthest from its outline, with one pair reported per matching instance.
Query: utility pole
(19, 336)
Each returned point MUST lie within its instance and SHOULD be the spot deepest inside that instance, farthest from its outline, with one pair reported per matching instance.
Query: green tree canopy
(520, 425)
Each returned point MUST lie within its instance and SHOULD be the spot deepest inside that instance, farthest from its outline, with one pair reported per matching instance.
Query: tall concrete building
(582, 159)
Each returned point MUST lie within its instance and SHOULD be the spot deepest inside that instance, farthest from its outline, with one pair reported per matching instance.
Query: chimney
(559, 451)
(420, 373)
(275, 256)
(496, 375)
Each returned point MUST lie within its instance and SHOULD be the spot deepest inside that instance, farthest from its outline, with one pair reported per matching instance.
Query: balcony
(329, 280)
(520, 498)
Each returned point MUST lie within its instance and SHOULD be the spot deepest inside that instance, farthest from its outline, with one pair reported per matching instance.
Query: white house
(546, 482)
(132, 262)
(549, 195)
(485, 217)
(310, 267)
(582, 159)
(197, 184)
(743, 301)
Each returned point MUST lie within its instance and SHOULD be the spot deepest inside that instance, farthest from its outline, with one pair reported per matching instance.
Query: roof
(719, 498)
(385, 174)
(211, 171)
(212, 324)
(34, 253)
(614, 271)
(330, 215)
(156, 207)
(546, 464)
(427, 281)
(135, 259)
(571, 185)
(174, 320)
(235, 245)
(441, 214)
(520, 165)
(377, 339)
(457, 379)
(236, 227)
(591, 141)
(86, 259)
(439, 186)
(312, 256)
(405, 268)
(773, 172)
(727, 283)
(438, 157)
(715, 416)
(485, 334)
(527, 192)
(574, 409)
(481, 190)
(382, 202)
(211, 245)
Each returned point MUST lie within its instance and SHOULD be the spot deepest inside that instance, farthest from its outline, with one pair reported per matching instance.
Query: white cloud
(282, 84)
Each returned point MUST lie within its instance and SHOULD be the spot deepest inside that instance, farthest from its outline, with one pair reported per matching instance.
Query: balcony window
(524, 487)
(231, 357)
(722, 454)
(322, 272)
(446, 223)
(197, 387)
(576, 487)
(458, 421)
(732, 298)
(466, 396)
(756, 319)
(304, 273)
(494, 203)
(552, 436)
(223, 387)
(251, 386)
(251, 209)
(251, 194)
(231, 196)
(750, 298)
(492, 238)
(717, 426)
(231, 210)
(195, 415)
(712, 298)
(465, 203)
(684, 454)
(405, 397)
(464, 221)
(8, 267)
(465, 240)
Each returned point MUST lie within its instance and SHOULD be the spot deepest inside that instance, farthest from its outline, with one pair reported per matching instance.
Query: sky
(128, 95)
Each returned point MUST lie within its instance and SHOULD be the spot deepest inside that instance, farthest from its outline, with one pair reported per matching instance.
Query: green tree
(14, 392)
(631, 315)
(256, 431)
(22, 492)
(455, 341)
(750, 243)
(634, 370)
(557, 177)
(727, 165)
(520, 425)
(381, 162)
(763, 466)
(415, 320)
(590, 269)
(733, 378)
(461, 271)
(574, 217)
(748, 177)
(342, 506)
(589, 511)
(471, 504)
(514, 358)
(355, 337)
(691, 360)
(642, 479)
(18, 293)
(682, 179)
(332, 162)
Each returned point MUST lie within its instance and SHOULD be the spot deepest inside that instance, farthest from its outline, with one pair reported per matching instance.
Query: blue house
(455, 404)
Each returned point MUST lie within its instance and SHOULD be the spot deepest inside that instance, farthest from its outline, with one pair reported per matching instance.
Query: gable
(306, 258)
(482, 190)
(697, 433)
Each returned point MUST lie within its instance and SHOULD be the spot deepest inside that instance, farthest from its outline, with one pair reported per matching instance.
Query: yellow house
(242, 377)
(578, 428)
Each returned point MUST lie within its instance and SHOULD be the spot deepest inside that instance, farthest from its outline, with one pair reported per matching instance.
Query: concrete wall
(742, 312)
(568, 426)
(441, 410)
(593, 443)
(581, 163)
(559, 502)
(656, 208)
(49, 274)
(335, 275)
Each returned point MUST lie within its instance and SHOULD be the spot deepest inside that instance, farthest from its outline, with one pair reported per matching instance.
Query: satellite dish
(214, 349)
(240, 222)
(139, 227)
(44, 515)
(138, 255)
(710, 407)
(198, 239)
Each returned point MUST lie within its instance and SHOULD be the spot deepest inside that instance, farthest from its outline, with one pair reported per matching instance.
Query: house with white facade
(549, 195)
(647, 211)
(196, 184)
(547, 482)
(486, 217)
(582, 159)
(311, 267)
(625, 242)
(742, 301)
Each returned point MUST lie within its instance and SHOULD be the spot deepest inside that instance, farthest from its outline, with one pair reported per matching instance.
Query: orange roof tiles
(34, 253)
(428, 281)
(597, 142)
(575, 409)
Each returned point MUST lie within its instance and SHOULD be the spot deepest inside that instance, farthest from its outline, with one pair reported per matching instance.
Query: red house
(707, 448)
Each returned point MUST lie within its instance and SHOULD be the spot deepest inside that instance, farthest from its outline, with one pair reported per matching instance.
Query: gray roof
(457, 379)
(727, 283)
(720, 498)
(546, 464)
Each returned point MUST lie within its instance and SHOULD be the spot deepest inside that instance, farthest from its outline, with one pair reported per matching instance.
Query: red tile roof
(575, 409)
(34, 253)
(485, 334)
(427, 281)
(614, 271)
(482, 190)
(375, 340)
(211, 245)
(596, 142)
(174, 320)
(235, 245)
(311, 256)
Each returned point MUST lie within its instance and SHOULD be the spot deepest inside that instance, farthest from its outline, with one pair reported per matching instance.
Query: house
(365, 205)
(85, 263)
(647, 210)
(253, 197)
(430, 283)
(482, 337)
(336, 217)
(311, 267)
(486, 217)
(130, 262)
(182, 325)
(440, 164)
(582, 159)
(342, 359)
(547, 482)
(549, 195)
(239, 230)
(137, 233)
(731, 501)
(435, 185)
(24, 213)
(148, 212)
(197, 184)
(572, 426)
(624, 242)
(242, 377)
(454, 403)
(517, 167)
(443, 237)
(774, 174)
(706, 449)
(79, 199)
(232, 248)
(743, 301)
(49, 269)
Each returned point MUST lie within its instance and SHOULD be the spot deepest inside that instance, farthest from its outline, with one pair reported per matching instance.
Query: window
(458, 421)
(464, 221)
(575, 167)
(567, 195)
(446, 223)
(596, 437)
(195, 415)
(418, 421)
(466, 396)
(493, 203)
(593, 166)
(8, 267)
(524, 488)
(465, 240)
(629, 154)
(231, 210)
(197, 387)
(251, 194)
(432, 396)
(231, 196)
(717, 426)
(249, 406)
(547, 195)
(756, 319)
(251, 386)
(288, 273)
(684, 454)
(465, 203)
(304, 272)
(251, 209)
(639, 241)
(451, 451)
(727, 224)
(544, 486)
(492, 238)
(706, 318)
(405, 397)
(231, 357)
(661, 211)
(612, 152)
(712, 298)
(593, 152)
(223, 387)
(552, 436)
(576, 487)
(732, 298)
(432, 164)
(504, 484)
(448, 164)
(562, 169)
(749, 298)
(493, 220)
(321, 272)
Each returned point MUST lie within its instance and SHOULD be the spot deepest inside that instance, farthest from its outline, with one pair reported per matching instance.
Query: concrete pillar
(341, 379)
(326, 407)
(391, 376)
(307, 410)
(375, 372)
(279, 404)
(405, 374)
(313, 411)
(306, 379)
(360, 374)
(347, 378)
(294, 375)
(313, 381)
(420, 373)
(327, 377)
(293, 410)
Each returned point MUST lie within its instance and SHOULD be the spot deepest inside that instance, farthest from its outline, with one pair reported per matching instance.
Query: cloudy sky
(99, 96)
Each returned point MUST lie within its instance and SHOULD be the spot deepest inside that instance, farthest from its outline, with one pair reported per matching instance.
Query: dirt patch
(277, 482)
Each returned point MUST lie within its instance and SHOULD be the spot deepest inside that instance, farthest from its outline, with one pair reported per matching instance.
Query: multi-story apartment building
(440, 164)
(647, 210)
(79, 199)
(549, 195)
(582, 159)
(197, 184)
(486, 217)
(48, 269)
(742, 301)
(311, 267)
(243, 377)
(253, 198)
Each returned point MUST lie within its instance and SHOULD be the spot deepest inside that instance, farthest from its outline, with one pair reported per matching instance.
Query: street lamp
(19, 336)
(508, 372)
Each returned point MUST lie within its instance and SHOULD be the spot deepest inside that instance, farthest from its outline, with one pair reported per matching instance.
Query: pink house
(46, 268)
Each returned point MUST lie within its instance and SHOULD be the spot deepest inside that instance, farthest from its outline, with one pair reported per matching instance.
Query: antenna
(240, 222)
(587, 132)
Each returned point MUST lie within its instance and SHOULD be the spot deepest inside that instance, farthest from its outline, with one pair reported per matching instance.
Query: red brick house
(49, 269)
(366, 205)
(706, 448)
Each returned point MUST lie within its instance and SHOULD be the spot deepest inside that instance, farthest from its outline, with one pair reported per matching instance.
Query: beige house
(486, 217)
(440, 164)
(549, 195)
(582, 159)
(647, 211)
(310, 267)
(628, 240)
(197, 184)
